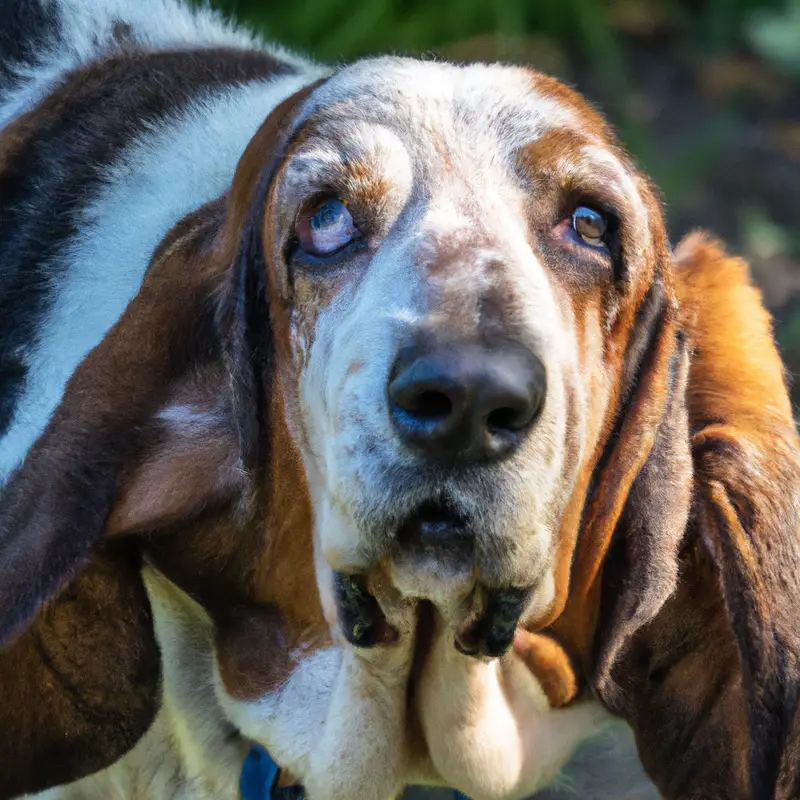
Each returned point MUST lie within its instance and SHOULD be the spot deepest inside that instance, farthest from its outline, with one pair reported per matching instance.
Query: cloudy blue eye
(590, 225)
(328, 229)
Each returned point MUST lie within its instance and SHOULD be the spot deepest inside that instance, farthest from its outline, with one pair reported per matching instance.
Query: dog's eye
(590, 225)
(327, 230)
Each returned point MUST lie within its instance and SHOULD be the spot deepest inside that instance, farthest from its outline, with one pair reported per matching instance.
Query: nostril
(507, 419)
(430, 405)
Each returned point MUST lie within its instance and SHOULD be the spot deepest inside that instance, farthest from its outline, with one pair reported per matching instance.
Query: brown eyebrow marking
(364, 185)
(544, 160)
(543, 156)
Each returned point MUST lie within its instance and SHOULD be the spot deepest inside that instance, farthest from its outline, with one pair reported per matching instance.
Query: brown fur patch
(591, 121)
(80, 686)
(716, 294)
(551, 665)
(710, 683)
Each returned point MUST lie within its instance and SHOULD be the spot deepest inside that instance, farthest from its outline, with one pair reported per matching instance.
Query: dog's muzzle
(454, 407)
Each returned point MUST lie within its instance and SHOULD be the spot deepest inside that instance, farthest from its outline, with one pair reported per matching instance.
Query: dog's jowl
(369, 415)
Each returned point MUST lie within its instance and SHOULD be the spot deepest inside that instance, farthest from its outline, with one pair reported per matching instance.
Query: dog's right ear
(164, 421)
(141, 438)
(127, 393)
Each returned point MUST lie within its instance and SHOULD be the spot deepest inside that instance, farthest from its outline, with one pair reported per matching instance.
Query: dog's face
(450, 261)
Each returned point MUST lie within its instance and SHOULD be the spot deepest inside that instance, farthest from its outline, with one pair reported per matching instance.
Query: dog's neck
(191, 751)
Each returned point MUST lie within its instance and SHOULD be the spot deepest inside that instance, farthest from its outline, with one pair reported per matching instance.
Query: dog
(368, 414)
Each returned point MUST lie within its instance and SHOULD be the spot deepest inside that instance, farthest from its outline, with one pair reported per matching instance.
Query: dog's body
(122, 205)
(123, 128)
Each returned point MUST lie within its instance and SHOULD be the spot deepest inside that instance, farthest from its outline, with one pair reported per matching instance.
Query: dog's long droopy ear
(641, 569)
(187, 355)
(55, 506)
(747, 462)
(159, 425)
(141, 438)
(641, 481)
(710, 683)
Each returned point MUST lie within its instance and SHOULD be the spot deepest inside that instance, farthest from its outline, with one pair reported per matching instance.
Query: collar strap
(260, 777)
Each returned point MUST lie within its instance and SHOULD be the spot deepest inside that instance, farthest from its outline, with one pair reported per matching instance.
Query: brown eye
(590, 225)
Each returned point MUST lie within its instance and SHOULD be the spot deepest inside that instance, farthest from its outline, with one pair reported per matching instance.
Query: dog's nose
(466, 401)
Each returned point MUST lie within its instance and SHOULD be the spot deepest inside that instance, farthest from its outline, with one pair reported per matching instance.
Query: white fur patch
(336, 723)
(501, 97)
(86, 33)
(340, 723)
(489, 727)
(188, 420)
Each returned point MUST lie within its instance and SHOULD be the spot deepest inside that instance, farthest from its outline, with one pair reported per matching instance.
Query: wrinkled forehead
(511, 103)
(422, 119)
(497, 104)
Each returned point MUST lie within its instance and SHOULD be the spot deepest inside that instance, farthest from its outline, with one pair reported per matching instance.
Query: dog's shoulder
(117, 120)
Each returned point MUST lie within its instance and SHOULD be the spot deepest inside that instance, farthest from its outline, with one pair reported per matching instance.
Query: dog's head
(455, 268)
(422, 361)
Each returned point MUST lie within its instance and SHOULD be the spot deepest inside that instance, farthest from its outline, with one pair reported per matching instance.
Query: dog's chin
(433, 562)
(433, 556)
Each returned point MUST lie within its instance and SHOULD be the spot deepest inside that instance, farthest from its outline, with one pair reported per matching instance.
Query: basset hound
(367, 414)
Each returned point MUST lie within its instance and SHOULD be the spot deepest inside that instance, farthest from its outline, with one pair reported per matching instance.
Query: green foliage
(344, 29)
(334, 30)
(340, 30)
(776, 35)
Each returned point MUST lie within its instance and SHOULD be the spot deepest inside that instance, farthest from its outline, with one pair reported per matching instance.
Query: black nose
(466, 401)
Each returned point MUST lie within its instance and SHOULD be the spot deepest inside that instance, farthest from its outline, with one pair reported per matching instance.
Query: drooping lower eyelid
(569, 237)
(602, 247)
(302, 257)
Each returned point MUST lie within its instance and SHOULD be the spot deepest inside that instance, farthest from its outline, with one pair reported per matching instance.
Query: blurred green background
(705, 94)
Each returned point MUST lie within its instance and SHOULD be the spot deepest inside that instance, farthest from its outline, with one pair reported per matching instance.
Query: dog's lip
(435, 525)
(487, 632)
(490, 631)
(432, 560)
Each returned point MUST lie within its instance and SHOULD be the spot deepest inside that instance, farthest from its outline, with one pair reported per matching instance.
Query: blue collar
(259, 779)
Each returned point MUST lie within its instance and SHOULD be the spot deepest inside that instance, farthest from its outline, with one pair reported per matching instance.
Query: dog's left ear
(698, 642)
(747, 496)
(641, 482)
